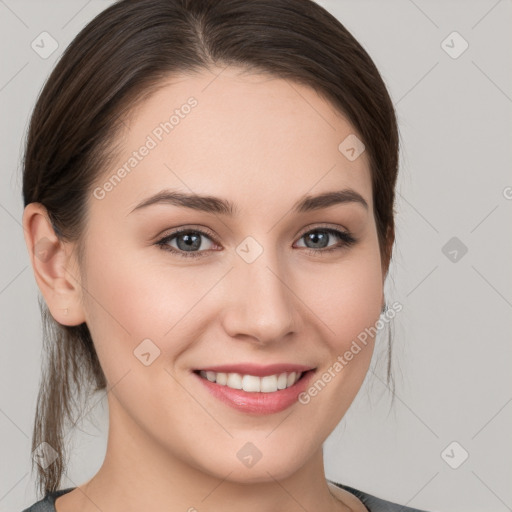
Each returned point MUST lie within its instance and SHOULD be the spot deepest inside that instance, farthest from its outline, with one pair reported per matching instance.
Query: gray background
(452, 346)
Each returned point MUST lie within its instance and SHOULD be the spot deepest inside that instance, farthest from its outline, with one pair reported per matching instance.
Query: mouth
(255, 394)
(253, 383)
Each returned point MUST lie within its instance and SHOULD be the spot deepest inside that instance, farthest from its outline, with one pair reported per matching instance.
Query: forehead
(226, 132)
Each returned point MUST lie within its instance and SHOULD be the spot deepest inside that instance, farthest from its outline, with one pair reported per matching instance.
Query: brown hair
(117, 60)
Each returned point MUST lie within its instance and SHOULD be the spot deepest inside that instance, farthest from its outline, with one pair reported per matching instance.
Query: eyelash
(347, 240)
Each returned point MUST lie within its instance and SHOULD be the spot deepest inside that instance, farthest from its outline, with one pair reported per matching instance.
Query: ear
(54, 267)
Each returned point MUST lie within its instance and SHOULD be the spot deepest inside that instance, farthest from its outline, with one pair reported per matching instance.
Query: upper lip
(257, 370)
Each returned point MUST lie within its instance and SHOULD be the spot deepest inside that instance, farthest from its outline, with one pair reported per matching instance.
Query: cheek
(346, 297)
(348, 301)
(137, 295)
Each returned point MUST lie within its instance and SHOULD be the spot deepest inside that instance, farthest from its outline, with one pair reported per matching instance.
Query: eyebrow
(216, 205)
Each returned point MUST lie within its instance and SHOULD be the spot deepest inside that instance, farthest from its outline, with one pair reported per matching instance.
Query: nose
(261, 305)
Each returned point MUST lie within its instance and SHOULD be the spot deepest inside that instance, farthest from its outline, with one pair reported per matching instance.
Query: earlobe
(51, 258)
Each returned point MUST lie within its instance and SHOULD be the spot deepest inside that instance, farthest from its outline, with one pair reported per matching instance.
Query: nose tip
(262, 305)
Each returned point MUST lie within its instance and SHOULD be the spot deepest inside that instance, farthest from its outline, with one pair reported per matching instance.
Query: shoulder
(47, 504)
(374, 504)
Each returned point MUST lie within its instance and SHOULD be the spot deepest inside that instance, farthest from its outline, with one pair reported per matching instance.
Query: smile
(253, 394)
(252, 383)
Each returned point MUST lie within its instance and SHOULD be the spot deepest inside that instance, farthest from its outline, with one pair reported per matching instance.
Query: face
(263, 284)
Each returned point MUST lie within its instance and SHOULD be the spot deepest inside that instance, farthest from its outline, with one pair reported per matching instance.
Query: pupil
(191, 241)
(314, 237)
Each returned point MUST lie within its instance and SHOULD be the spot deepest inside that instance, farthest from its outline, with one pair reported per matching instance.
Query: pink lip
(257, 370)
(258, 402)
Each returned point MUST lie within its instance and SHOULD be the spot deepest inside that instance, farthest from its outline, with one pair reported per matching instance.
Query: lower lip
(258, 402)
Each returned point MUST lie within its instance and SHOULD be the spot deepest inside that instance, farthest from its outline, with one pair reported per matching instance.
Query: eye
(189, 241)
(320, 236)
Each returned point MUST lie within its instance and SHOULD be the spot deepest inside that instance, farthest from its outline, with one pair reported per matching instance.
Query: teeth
(251, 383)
(234, 381)
(222, 378)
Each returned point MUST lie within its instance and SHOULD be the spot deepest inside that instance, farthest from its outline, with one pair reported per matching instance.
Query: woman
(208, 190)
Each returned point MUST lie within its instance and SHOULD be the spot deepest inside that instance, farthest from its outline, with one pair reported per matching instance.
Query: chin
(279, 466)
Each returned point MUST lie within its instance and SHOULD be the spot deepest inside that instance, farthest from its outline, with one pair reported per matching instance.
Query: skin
(263, 143)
